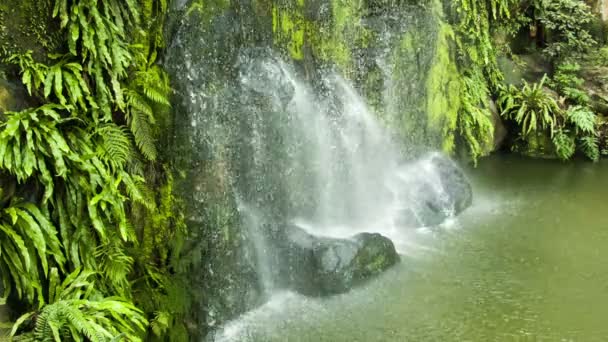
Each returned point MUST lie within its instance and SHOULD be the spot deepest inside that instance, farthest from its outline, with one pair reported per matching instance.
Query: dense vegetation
(554, 113)
(90, 230)
(87, 247)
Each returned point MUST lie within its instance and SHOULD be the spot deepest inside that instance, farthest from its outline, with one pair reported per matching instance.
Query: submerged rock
(320, 266)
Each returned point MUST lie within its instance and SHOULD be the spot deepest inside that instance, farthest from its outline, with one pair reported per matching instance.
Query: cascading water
(343, 173)
(265, 144)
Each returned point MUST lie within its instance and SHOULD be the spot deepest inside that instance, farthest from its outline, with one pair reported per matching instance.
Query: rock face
(596, 86)
(12, 97)
(436, 190)
(500, 130)
(319, 266)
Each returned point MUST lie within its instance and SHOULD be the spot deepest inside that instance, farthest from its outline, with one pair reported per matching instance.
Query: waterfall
(300, 116)
(342, 173)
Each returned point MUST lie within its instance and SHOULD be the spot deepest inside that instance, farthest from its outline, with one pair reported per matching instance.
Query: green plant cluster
(87, 248)
(474, 22)
(536, 111)
(565, 26)
(557, 106)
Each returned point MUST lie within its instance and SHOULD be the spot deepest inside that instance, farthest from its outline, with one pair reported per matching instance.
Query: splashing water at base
(527, 265)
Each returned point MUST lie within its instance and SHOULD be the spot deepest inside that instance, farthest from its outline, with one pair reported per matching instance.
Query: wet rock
(436, 190)
(319, 266)
(596, 87)
(12, 97)
(500, 130)
(265, 77)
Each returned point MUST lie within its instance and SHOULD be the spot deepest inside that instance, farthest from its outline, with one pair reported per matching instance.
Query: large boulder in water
(434, 189)
(321, 266)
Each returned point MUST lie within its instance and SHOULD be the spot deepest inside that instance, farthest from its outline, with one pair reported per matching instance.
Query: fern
(148, 91)
(115, 265)
(567, 82)
(114, 147)
(78, 166)
(31, 145)
(582, 118)
(140, 120)
(530, 107)
(564, 145)
(474, 120)
(62, 81)
(76, 311)
(27, 239)
(589, 145)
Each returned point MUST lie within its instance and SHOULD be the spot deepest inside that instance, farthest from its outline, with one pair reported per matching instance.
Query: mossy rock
(535, 145)
(530, 68)
(28, 25)
(12, 96)
(318, 266)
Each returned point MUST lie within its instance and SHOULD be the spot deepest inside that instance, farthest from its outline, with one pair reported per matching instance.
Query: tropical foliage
(567, 21)
(474, 122)
(531, 107)
(478, 67)
(77, 311)
(80, 227)
(557, 105)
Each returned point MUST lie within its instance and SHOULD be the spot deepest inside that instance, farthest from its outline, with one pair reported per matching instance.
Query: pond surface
(528, 262)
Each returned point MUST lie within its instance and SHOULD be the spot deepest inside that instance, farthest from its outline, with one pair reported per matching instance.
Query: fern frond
(590, 147)
(564, 145)
(115, 265)
(141, 127)
(582, 118)
(115, 147)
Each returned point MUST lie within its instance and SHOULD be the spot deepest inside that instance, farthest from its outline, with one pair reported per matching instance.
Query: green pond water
(527, 262)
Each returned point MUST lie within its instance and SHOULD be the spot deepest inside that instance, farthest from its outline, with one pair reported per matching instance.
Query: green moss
(289, 29)
(207, 9)
(28, 25)
(6, 99)
(443, 91)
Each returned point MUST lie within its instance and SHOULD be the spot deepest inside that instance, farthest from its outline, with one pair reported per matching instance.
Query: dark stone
(319, 266)
(12, 96)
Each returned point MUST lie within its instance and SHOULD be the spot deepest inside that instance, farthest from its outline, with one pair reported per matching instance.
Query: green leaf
(20, 321)
(20, 244)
